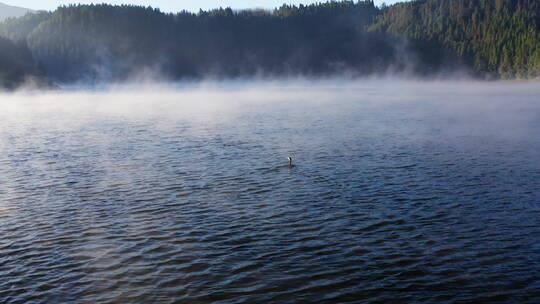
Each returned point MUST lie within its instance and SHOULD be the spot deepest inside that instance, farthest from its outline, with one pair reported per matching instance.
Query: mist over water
(402, 191)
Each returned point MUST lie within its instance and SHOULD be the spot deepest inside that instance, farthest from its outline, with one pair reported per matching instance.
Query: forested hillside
(486, 38)
(16, 64)
(117, 42)
(499, 38)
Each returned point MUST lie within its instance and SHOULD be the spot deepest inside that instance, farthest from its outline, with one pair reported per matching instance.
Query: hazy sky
(170, 5)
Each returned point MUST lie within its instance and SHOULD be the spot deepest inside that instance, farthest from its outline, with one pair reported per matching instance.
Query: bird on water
(290, 162)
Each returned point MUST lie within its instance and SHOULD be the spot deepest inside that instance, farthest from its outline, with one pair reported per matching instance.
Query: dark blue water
(402, 192)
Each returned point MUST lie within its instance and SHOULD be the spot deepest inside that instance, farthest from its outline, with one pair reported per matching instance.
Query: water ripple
(407, 208)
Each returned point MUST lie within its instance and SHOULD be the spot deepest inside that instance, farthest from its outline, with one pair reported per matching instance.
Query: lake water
(402, 192)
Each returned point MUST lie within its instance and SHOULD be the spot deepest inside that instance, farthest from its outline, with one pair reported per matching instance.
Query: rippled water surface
(402, 192)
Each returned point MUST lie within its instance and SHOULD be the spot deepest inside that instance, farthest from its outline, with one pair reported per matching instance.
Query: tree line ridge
(493, 39)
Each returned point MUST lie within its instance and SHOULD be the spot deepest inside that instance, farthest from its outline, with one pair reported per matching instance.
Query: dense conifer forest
(101, 43)
(16, 64)
(498, 38)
